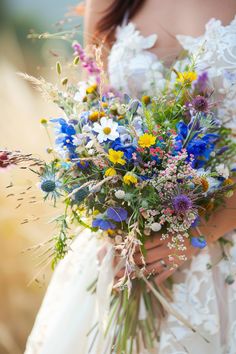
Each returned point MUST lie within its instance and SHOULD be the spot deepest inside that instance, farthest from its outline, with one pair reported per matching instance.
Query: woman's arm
(221, 222)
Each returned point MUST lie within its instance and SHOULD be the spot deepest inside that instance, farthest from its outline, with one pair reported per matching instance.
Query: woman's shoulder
(94, 12)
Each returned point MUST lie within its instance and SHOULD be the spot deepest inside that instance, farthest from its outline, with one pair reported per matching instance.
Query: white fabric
(69, 311)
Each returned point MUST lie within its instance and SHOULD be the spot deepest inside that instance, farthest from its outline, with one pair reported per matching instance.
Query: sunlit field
(23, 216)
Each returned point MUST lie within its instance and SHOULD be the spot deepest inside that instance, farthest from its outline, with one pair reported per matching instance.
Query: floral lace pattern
(209, 304)
(135, 70)
(200, 290)
(217, 54)
(132, 67)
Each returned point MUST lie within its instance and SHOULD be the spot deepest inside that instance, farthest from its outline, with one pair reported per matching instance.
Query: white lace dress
(200, 292)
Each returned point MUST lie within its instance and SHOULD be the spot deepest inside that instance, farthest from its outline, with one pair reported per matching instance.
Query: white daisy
(106, 129)
(222, 170)
(81, 93)
(213, 183)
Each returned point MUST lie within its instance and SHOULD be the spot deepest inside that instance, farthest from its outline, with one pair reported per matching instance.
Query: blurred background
(23, 280)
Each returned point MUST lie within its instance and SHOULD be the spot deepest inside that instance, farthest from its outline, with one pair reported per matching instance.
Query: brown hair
(115, 13)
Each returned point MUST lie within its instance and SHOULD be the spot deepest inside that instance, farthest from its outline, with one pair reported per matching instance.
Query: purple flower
(88, 63)
(198, 242)
(182, 203)
(200, 104)
(222, 150)
(117, 214)
(201, 84)
(103, 224)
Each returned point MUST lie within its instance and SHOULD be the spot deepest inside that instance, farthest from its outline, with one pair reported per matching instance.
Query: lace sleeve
(216, 53)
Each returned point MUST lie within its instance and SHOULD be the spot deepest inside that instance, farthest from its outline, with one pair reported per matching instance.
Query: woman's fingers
(164, 275)
(101, 253)
(158, 267)
(152, 255)
(154, 241)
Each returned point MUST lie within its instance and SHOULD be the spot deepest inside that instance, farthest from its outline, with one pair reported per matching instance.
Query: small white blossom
(222, 170)
(81, 93)
(156, 227)
(90, 144)
(91, 151)
(120, 194)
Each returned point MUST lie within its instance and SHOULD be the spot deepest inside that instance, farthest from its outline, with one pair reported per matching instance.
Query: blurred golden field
(21, 108)
(23, 280)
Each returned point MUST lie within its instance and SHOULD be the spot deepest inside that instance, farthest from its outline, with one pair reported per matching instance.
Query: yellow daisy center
(96, 115)
(107, 130)
(205, 184)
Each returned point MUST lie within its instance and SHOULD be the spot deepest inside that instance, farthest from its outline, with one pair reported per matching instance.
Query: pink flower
(4, 159)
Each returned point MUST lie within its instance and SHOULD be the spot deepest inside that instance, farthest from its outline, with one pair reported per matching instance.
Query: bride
(143, 38)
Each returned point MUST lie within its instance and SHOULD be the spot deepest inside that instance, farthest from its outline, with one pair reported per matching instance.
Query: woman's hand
(157, 258)
(157, 255)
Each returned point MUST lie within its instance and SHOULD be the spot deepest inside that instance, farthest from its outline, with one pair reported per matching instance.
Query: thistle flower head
(200, 104)
(182, 203)
(50, 184)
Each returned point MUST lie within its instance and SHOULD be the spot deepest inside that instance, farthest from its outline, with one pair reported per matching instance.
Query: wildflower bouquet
(128, 168)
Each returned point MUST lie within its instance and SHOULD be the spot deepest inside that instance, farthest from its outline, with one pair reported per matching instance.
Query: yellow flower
(186, 77)
(44, 121)
(228, 182)
(104, 104)
(146, 140)
(110, 232)
(146, 100)
(94, 116)
(205, 184)
(91, 89)
(110, 172)
(130, 178)
(116, 157)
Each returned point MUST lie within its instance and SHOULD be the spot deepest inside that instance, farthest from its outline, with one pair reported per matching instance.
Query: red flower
(4, 159)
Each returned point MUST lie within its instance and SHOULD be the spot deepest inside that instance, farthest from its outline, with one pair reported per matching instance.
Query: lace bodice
(135, 70)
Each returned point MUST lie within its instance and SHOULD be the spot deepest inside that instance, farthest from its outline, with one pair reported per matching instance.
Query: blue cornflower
(198, 242)
(105, 221)
(103, 224)
(196, 222)
(65, 132)
(200, 147)
(64, 127)
(117, 214)
(128, 149)
(182, 130)
(81, 164)
(65, 141)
